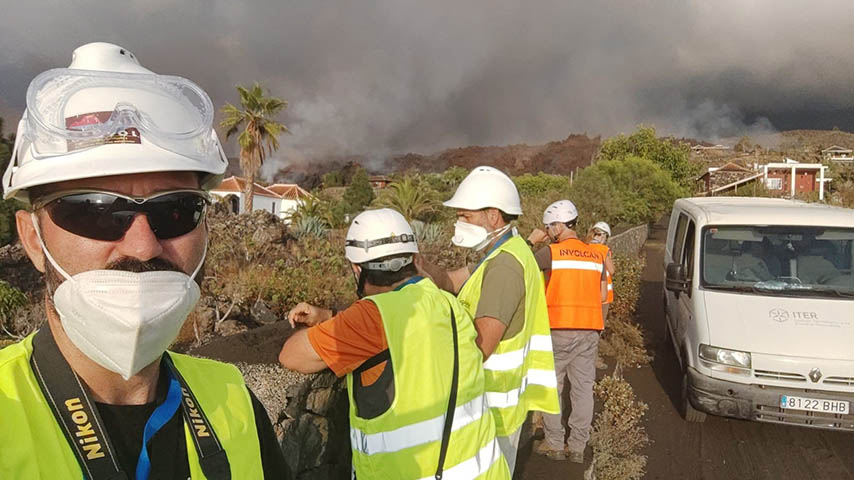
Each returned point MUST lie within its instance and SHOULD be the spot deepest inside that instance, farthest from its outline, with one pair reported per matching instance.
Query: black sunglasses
(102, 215)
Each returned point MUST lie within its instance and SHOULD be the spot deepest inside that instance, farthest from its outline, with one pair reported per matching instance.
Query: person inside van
(814, 266)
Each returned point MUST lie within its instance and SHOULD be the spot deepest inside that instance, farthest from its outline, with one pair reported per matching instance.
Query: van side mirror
(675, 280)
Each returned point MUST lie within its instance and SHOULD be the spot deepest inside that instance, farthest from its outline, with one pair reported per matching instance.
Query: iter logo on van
(779, 315)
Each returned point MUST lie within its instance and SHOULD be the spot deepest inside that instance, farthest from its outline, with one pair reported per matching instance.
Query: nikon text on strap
(82, 425)
(212, 457)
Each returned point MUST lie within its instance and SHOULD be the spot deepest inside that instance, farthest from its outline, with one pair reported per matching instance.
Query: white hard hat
(108, 115)
(376, 234)
(562, 211)
(487, 187)
(604, 227)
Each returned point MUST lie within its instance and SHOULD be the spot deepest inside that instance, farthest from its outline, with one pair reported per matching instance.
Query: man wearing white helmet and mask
(115, 162)
(414, 374)
(504, 294)
(597, 237)
(575, 290)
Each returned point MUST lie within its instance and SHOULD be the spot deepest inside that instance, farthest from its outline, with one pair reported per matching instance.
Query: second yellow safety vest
(520, 374)
(404, 442)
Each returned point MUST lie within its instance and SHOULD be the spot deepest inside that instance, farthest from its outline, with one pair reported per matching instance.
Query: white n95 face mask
(467, 235)
(124, 321)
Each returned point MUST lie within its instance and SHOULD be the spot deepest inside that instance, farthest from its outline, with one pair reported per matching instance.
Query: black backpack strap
(212, 457)
(74, 410)
(452, 401)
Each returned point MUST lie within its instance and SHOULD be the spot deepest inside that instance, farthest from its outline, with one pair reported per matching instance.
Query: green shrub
(309, 226)
(541, 184)
(618, 434)
(410, 196)
(335, 178)
(8, 231)
(428, 233)
(622, 338)
(672, 156)
(360, 193)
(11, 299)
(630, 191)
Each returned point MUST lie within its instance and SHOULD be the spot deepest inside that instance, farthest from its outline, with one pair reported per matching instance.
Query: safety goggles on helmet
(70, 110)
(102, 215)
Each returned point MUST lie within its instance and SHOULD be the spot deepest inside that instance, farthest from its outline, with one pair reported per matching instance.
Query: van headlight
(724, 360)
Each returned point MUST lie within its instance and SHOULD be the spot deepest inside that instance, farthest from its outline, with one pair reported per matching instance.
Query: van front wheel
(689, 413)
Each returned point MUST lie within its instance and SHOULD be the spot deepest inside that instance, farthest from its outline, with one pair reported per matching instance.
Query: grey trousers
(575, 358)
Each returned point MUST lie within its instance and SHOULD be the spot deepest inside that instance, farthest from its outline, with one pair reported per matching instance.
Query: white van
(759, 302)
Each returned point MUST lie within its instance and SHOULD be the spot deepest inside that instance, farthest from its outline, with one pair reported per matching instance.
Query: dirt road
(720, 448)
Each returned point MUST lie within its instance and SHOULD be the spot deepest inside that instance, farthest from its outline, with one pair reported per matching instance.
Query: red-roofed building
(263, 198)
(379, 181)
(291, 194)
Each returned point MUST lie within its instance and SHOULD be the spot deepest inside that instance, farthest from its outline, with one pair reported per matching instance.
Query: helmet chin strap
(360, 282)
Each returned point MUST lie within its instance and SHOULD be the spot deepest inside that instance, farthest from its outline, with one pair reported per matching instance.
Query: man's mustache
(128, 264)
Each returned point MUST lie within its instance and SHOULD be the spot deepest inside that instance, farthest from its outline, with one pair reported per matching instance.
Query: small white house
(291, 194)
(838, 154)
(262, 199)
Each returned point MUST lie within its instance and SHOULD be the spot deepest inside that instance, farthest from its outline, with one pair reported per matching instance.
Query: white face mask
(467, 235)
(121, 320)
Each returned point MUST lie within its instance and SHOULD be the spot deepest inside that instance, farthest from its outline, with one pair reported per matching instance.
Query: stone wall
(631, 241)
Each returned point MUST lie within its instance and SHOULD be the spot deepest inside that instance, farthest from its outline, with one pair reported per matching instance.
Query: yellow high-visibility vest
(520, 373)
(404, 441)
(33, 445)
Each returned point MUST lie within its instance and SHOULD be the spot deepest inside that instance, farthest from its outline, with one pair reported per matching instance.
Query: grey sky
(392, 76)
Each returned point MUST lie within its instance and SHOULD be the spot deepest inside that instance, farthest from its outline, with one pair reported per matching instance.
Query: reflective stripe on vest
(574, 292)
(39, 449)
(490, 454)
(610, 297)
(513, 360)
(532, 377)
(404, 442)
(576, 265)
(509, 378)
(417, 433)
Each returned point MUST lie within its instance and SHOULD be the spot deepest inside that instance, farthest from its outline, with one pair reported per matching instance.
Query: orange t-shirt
(346, 340)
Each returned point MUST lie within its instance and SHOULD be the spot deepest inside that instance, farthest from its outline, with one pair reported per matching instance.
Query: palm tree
(410, 197)
(259, 137)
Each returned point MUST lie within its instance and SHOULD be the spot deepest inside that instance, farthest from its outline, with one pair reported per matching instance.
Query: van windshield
(786, 260)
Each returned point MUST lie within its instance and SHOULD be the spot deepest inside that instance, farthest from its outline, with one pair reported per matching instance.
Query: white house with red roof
(280, 199)
(291, 194)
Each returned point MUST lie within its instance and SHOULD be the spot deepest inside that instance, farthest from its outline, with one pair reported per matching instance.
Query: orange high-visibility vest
(605, 250)
(574, 292)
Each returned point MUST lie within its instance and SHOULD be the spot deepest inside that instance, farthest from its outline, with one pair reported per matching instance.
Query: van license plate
(814, 404)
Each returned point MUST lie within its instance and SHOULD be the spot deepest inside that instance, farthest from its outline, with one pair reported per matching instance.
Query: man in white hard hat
(504, 294)
(115, 163)
(575, 290)
(414, 374)
(598, 238)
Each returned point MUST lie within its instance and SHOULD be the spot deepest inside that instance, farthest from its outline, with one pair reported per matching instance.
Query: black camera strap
(84, 429)
(452, 401)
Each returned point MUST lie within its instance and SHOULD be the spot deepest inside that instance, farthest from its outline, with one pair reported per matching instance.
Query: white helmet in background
(487, 187)
(380, 233)
(108, 115)
(603, 227)
(561, 211)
